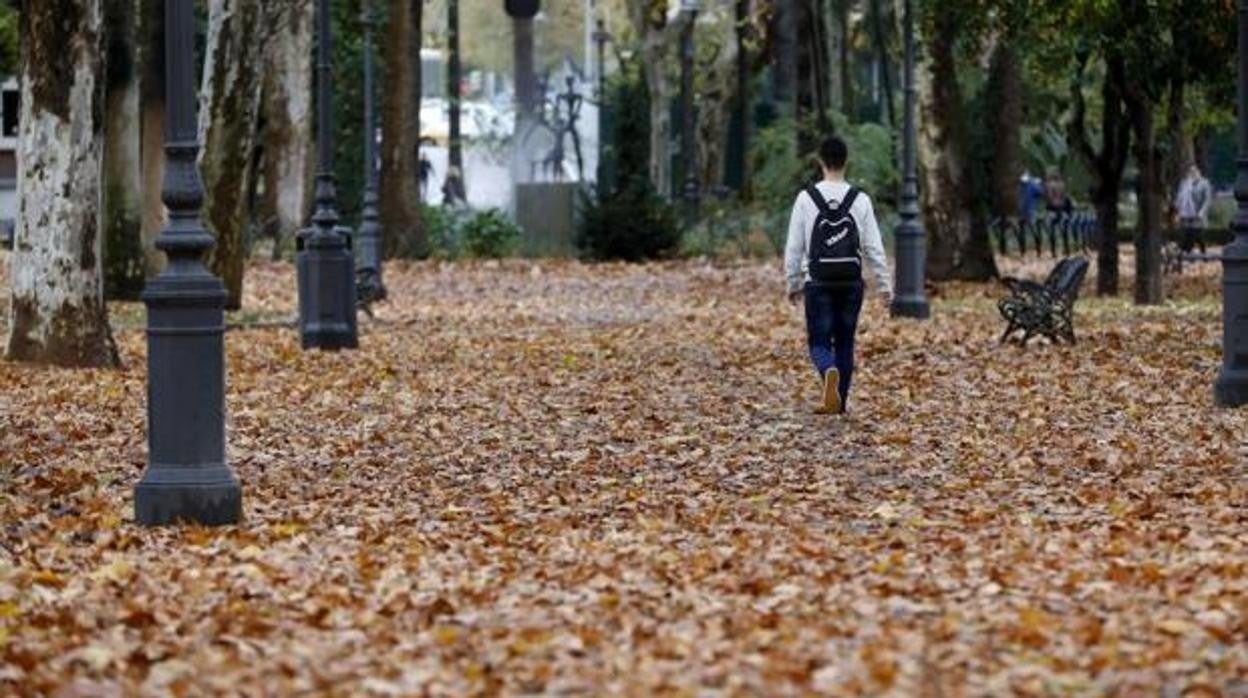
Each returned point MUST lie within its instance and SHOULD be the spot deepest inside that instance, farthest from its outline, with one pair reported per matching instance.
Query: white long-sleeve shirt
(802, 224)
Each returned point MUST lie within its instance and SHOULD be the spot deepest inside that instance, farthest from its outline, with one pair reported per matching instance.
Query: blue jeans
(831, 323)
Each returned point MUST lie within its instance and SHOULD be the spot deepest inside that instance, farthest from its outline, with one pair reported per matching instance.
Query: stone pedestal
(546, 211)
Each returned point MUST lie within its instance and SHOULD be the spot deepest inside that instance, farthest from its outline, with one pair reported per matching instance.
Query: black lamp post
(688, 140)
(187, 478)
(455, 175)
(601, 37)
(368, 244)
(522, 13)
(1232, 386)
(910, 299)
(324, 264)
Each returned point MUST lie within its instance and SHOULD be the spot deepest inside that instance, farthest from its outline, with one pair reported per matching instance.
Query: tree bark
(836, 39)
(715, 98)
(57, 310)
(1106, 166)
(785, 63)
(1148, 288)
(886, 71)
(152, 130)
(287, 117)
(455, 175)
(649, 19)
(1005, 118)
(400, 154)
(745, 115)
(958, 243)
(123, 179)
(846, 79)
(230, 98)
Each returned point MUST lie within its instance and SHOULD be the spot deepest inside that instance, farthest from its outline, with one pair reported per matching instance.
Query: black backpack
(835, 255)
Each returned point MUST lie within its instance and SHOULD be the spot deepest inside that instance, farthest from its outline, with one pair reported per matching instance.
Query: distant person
(832, 232)
(453, 191)
(1056, 201)
(1192, 203)
(1030, 194)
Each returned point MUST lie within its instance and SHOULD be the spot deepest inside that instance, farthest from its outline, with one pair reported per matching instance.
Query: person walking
(832, 234)
(1192, 203)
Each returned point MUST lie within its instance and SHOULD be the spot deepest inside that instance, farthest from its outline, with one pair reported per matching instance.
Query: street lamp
(522, 13)
(187, 478)
(324, 265)
(910, 299)
(368, 262)
(1232, 386)
(688, 141)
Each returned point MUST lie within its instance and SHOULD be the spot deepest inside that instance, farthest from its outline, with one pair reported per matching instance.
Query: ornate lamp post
(1232, 386)
(688, 141)
(187, 478)
(522, 13)
(455, 176)
(324, 264)
(910, 300)
(368, 260)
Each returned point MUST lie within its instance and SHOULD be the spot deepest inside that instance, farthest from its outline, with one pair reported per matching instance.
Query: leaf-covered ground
(572, 479)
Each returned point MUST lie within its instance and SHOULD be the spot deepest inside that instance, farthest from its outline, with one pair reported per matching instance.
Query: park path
(543, 478)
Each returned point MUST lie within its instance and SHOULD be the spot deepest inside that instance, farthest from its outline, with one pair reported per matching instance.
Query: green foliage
(489, 234)
(8, 39)
(779, 172)
(627, 220)
(442, 225)
(633, 225)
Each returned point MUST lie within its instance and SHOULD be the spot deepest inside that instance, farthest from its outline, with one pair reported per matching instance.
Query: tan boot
(831, 403)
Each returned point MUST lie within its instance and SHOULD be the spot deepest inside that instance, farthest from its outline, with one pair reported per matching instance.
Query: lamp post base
(327, 294)
(1231, 390)
(917, 308)
(206, 495)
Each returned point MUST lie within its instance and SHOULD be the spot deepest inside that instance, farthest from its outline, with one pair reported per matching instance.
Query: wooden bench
(1044, 309)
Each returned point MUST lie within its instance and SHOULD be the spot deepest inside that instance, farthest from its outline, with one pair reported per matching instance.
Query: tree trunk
(649, 19)
(1107, 165)
(123, 179)
(958, 243)
(846, 79)
(456, 180)
(809, 91)
(835, 39)
(886, 70)
(784, 65)
(152, 130)
(714, 99)
(57, 310)
(227, 127)
(1005, 116)
(400, 134)
(745, 115)
(1105, 198)
(1180, 152)
(1148, 290)
(288, 122)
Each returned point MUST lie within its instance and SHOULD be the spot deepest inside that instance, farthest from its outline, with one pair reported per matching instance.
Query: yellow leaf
(446, 635)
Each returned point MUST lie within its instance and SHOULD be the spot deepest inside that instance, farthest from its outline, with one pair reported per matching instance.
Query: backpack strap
(848, 202)
(813, 192)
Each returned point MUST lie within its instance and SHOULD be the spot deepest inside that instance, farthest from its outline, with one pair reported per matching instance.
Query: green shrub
(489, 234)
(626, 219)
(631, 226)
(779, 171)
(442, 227)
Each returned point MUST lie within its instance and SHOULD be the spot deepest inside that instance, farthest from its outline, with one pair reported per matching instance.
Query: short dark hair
(833, 153)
